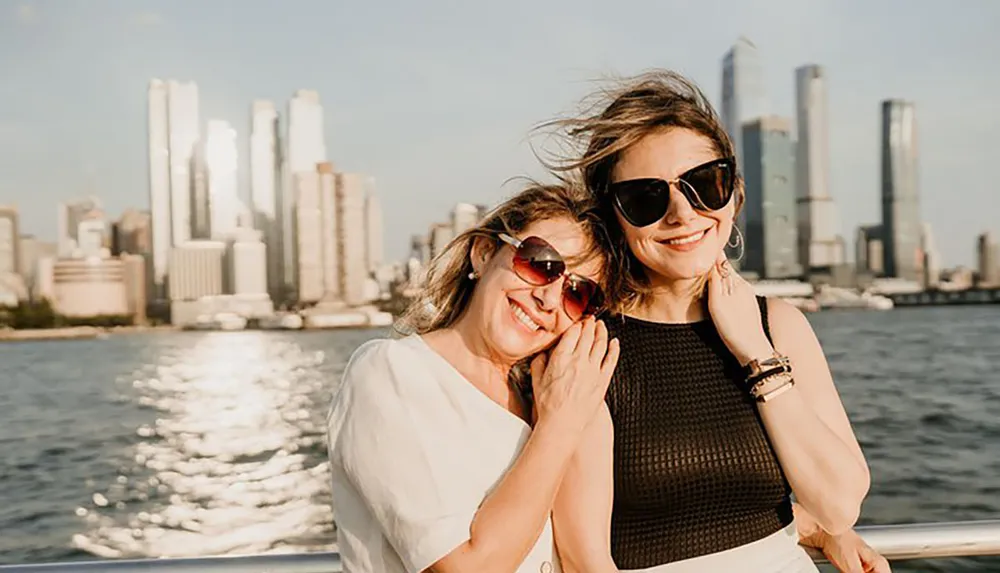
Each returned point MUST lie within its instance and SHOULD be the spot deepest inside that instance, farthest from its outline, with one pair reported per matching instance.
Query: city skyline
(411, 130)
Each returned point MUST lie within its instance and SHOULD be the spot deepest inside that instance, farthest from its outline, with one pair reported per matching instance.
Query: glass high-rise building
(223, 195)
(159, 184)
(771, 231)
(173, 130)
(184, 130)
(743, 94)
(901, 224)
(743, 97)
(265, 189)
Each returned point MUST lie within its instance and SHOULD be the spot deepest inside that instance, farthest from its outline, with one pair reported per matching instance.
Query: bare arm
(806, 526)
(509, 521)
(511, 518)
(806, 424)
(848, 552)
(581, 517)
(809, 428)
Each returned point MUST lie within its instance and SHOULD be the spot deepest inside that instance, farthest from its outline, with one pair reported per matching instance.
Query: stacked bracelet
(772, 386)
(766, 379)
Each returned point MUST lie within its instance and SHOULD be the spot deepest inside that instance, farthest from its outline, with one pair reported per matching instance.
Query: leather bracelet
(773, 393)
(757, 370)
(760, 386)
(783, 369)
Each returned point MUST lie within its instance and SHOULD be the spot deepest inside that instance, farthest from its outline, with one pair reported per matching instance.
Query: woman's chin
(515, 345)
(690, 270)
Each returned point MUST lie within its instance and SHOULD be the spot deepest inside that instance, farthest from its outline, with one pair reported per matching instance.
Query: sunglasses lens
(712, 184)
(537, 263)
(642, 201)
(581, 297)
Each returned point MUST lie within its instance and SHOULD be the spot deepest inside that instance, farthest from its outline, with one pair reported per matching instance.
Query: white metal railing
(895, 542)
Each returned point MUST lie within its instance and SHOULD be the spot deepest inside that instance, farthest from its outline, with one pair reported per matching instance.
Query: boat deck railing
(895, 542)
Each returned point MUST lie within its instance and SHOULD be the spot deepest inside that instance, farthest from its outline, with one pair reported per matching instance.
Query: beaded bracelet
(757, 370)
(765, 391)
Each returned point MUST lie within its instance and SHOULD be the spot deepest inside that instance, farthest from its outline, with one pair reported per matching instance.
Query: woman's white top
(414, 450)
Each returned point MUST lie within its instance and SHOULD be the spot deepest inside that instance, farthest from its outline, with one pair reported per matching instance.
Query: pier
(945, 297)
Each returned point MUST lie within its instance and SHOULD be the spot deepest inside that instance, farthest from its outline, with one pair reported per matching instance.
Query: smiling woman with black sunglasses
(439, 462)
(722, 406)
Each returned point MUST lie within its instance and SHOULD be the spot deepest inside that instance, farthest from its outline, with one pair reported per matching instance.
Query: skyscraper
(743, 93)
(220, 162)
(316, 235)
(988, 255)
(818, 234)
(464, 216)
(158, 126)
(71, 214)
(440, 235)
(306, 149)
(183, 130)
(201, 217)
(743, 98)
(351, 237)
(769, 172)
(265, 187)
(173, 130)
(869, 253)
(131, 233)
(10, 236)
(930, 264)
(374, 231)
(900, 194)
(420, 249)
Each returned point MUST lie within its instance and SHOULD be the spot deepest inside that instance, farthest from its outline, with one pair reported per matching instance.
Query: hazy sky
(435, 99)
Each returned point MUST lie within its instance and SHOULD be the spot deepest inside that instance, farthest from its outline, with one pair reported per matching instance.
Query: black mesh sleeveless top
(694, 470)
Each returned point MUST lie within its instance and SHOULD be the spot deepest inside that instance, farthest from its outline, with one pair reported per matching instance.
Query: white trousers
(779, 552)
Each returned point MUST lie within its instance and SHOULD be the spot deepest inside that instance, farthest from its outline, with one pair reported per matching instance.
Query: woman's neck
(465, 349)
(675, 301)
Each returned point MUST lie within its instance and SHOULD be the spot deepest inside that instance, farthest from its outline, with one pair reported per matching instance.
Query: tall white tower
(265, 186)
(818, 223)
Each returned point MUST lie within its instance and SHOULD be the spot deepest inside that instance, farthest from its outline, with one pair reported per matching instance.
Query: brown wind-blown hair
(447, 287)
(615, 119)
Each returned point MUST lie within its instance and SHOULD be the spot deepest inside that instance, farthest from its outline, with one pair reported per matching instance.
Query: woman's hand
(570, 382)
(848, 552)
(732, 304)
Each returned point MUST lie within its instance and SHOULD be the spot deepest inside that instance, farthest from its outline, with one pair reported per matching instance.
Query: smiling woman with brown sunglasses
(722, 406)
(440, 460)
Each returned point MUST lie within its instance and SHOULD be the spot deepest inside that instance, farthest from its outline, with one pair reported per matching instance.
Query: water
(188, 444)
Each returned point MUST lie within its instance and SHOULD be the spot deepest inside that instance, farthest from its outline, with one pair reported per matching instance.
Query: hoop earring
(739, 243)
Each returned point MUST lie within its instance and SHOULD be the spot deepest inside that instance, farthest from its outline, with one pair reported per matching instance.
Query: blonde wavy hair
(612, 120)
(447, 288)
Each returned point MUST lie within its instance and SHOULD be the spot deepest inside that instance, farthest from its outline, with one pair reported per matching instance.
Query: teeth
(524, 318)
(686, 240)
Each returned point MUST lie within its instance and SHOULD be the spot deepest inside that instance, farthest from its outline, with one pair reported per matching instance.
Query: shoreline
(67, 333)
(72, 332)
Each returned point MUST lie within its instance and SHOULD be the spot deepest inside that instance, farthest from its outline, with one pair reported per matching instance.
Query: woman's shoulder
(614, 321)
(384, 366)
(783, 321)
(380, 353)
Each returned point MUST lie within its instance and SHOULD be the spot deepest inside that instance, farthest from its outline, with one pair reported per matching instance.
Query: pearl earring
(473, 275)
